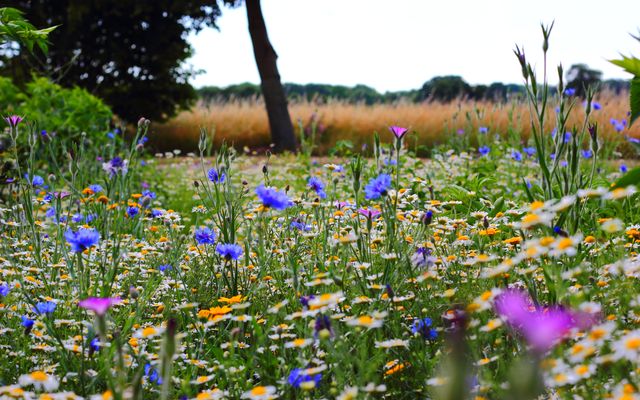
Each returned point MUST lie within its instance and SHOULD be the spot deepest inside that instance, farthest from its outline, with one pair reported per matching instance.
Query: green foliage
(630, 178)
(68, 112)
(9, 96)
(129, 53)
(14, 27)
(632, 66)
(635, 99)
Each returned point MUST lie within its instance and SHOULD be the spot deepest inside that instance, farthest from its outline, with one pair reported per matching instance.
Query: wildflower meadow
(504, 266)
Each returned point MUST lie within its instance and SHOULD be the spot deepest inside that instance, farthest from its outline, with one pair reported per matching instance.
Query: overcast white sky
(400, 44)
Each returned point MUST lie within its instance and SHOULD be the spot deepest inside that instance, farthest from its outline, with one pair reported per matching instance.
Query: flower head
(484, 150)
(229, 251)
(82, 239)
(44, 307)
(272, 198)
(398, 131)
(298, 377)
(13, 120)
(541, 327)
(377, 187)
(215, 176)
(205, 235)
(317, 186)
(99, 305)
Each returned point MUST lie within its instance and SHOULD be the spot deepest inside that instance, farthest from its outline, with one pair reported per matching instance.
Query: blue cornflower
(377, 187)
(587, 153)
(272, 198)
(165, 267)
(300, 226)
(423, 327)
(149, 194)
(623, 168)
(37, 181)
(44, 307)
(95, 344)
(516, 155)
(567, 137)
(90, 218)
(317, 186)
(564, 163)
(152, 374)
(132, 211)
(297, 376)
(569, 92)
(4, 290)
(229, 251)
(216, 177)
(155, 213)
(529, 151)
(483, 130)
(205, 235)
(77, 218)
(596, 106)
(27, 322)
(484, 150)
(82, 239)
(96, 188)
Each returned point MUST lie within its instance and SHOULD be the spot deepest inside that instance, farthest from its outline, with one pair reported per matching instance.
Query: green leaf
(629, 64)
(498, 206)
(635, 99)
(630, 178)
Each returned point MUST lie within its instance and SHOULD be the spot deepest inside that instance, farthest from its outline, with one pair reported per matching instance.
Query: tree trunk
(280, 124)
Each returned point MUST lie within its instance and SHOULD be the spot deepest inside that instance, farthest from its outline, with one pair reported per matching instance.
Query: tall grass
(244, 122)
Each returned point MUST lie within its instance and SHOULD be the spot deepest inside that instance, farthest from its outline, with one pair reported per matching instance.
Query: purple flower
(377, 187)
(398, 131)
(541, 327)
(216, 177)
(13, 120)
(370, 213)
(587, 153)
(484, 150)
(115, 166)
(99, 305)
(229, 251)
(205, 235)
(82, 239)
(272, 198)
(4, 290)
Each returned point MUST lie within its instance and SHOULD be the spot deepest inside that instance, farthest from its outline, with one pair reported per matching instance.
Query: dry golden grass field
(244, 123)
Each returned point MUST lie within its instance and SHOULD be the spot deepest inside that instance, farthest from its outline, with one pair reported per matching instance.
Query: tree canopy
(131, 53)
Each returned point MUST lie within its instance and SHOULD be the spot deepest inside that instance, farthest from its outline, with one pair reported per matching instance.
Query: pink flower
(398, 131)
(541, 327)
(99, 305)
(13, 120)
(369, 213)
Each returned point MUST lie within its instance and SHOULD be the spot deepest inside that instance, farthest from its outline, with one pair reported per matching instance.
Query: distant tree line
(440, 88)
